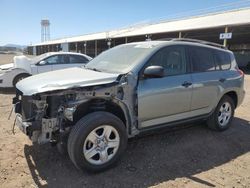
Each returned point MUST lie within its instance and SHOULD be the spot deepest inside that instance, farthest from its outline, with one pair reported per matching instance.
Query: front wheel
(222, 116)
(97, 141)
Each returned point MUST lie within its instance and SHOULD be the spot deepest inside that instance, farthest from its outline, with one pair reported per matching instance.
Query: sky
(20, 19)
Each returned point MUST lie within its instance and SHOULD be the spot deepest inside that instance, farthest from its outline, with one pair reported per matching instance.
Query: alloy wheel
(225, 113)
(101, 145)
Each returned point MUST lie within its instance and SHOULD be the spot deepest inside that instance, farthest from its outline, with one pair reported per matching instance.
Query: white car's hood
(64, 79)
(6, 66)
(22, 62)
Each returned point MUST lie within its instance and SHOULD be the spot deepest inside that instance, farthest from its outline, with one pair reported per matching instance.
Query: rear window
(202, 59)
(222, 59)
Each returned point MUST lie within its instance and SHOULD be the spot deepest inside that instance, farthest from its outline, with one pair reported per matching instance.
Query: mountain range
(15, 46)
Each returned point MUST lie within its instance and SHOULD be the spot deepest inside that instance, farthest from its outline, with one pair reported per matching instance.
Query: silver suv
(90, 112)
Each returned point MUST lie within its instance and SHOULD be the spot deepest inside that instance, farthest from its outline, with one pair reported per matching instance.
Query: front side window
(171, 58)
(202, 59)
(56, 59)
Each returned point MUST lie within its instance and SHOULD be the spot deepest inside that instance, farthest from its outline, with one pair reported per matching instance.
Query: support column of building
(85, 48)
(109, 42)
(34, 50)
(225, 40)
(148, 37)
(95, 47)
(65, 47)
(180, 35)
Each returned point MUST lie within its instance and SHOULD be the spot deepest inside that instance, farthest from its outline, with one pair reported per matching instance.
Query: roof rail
(195, 41)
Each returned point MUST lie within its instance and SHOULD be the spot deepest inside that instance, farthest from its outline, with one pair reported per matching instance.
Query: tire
(103, 155)
(222, 116)
(19, 77)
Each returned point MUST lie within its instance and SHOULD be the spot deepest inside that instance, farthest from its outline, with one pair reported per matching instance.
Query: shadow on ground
(7, 91)
(149, 160)
(246, 70)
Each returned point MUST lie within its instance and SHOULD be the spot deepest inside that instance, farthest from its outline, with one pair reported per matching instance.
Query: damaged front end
(33, 117)
(47, 117)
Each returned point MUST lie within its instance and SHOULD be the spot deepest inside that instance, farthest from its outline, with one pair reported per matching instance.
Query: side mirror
(42, 62)
(153, 72)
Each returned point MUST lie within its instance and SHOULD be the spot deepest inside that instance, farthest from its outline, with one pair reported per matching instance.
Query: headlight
(69, 112)
(2, 71)
(8, 70)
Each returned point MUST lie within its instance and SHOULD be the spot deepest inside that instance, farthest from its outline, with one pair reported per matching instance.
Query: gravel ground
(191, 157)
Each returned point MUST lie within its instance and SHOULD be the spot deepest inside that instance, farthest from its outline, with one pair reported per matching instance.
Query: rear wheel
(97, 141)
(19, 77)
(222, 116)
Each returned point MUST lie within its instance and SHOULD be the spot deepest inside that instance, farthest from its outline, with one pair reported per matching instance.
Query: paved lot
(188, 157)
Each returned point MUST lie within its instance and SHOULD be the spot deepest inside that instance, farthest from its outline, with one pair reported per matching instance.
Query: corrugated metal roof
(229, 18)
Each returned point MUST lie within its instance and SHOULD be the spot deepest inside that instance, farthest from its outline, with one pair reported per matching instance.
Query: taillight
(240, 71)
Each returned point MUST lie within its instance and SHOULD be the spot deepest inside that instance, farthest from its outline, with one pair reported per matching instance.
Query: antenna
(45, 30)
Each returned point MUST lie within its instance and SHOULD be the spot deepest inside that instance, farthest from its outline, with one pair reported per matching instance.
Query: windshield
(120, 59)
(40, 57)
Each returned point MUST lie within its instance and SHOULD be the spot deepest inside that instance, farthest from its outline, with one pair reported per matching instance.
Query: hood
(6, 66)
(64, 79)
(22, 62)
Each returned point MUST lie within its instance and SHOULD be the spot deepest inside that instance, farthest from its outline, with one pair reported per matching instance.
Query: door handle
(222, 80)
(186, 84)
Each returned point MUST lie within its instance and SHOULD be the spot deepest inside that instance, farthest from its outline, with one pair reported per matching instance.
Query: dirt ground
(187, 157)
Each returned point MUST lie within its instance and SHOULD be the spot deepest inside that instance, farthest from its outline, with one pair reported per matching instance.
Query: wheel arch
(233, 95)
(18, 75)
(98, 104)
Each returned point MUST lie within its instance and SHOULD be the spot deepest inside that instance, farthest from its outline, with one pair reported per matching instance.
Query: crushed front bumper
(31, 129)
(23, 126)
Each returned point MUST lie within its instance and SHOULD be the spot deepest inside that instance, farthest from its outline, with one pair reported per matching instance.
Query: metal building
(231, 28)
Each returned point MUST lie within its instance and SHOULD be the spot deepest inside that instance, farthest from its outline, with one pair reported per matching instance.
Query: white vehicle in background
(23, 66)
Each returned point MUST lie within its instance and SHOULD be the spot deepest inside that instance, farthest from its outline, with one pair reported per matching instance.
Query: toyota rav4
(127, 90)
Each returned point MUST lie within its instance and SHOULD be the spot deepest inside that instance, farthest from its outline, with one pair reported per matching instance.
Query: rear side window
(202, 59)
(222, 59)
(74, 59)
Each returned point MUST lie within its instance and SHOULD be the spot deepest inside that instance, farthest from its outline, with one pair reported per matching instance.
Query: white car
(23, 66)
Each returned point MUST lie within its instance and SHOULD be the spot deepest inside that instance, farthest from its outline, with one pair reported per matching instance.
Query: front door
(46, 64)
(166, 99)
(61, 63)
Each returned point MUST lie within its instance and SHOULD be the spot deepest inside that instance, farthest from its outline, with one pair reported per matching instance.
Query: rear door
(77, 60)
(207, 80)
(166, 99)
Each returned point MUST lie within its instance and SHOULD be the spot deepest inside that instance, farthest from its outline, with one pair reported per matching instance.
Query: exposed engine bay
(48, 116)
